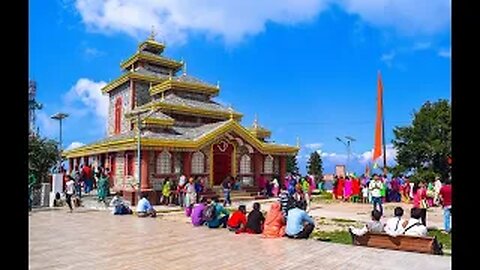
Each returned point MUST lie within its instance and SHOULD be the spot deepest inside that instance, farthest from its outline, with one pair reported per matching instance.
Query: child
(365, 194)
(166, 192)
(374, 226)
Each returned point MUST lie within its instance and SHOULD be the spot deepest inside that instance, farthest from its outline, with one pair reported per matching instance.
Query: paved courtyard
(88, 239)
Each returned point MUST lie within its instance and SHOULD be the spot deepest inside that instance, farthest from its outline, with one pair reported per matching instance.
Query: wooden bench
(428, 245)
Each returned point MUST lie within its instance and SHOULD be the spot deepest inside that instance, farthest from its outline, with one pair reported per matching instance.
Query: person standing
(445, 196)
(227, 188)
(420, 200)
(87, 178)
(190, 193)
(102, 185)
(69, 191)
(437, 187)
(375, 188)
(75, 174)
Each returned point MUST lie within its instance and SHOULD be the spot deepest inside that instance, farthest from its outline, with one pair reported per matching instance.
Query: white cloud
(366, 157)
(74, 145)
(408, 17)
(314, 146)
(388, 58)
(48, 127)
(93, 52)
(234, 20)
(421, 46)
(447, 53)
(88, 93)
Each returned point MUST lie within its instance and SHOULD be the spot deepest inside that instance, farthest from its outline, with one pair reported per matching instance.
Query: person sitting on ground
(394, 226)
(144, 208)
(197, 213)
(216, 215)
(238, 220)
(299, 224)
(373, 226)
(255, 220)
(119, 206)
(414, 226)
(274, 225)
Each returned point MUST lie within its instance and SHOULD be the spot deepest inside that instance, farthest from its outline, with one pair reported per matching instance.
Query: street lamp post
(348, 144)
(60, 116)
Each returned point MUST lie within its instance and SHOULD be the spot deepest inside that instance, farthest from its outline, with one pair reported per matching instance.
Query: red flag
(377, 150)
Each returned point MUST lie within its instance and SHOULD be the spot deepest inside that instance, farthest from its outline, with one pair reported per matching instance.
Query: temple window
(164, 163)
(198, 163)
(268, 164)
(117, 115)
(245, 164)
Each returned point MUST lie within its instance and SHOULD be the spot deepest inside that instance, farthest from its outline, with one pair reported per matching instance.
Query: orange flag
(377, 150)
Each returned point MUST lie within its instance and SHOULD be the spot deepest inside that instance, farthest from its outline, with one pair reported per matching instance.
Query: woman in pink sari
(313, 186)
(275, 187)
(348, 189)
(274, 225)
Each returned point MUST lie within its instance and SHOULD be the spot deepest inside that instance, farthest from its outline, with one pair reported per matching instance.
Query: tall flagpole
(383, 137)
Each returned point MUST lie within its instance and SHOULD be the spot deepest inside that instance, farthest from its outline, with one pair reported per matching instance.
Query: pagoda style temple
(183, 131)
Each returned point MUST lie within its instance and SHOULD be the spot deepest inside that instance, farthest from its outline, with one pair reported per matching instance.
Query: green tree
(424, 146)
(292, 166)
(42, 156)
(315, 166)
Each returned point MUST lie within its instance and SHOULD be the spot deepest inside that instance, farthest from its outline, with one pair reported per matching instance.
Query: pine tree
(315, 166)
(292, 166)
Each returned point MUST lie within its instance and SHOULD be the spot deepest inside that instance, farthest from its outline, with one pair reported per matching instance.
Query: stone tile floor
(89, 239)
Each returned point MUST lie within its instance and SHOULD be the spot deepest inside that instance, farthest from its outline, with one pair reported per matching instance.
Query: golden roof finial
(150, 85)
(163, 96)
(218, 84)
(255, 122)
(152, 33)
(298, 142)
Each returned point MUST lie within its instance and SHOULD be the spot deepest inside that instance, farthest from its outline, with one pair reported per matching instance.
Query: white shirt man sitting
(394, 226)
(414, 226)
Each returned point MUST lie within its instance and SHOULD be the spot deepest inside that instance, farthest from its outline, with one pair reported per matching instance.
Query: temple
(183, 131)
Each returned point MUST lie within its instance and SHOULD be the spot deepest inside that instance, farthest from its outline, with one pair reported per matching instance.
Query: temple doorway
(222, 161)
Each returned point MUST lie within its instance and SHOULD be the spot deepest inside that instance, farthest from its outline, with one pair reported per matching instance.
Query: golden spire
(298, 142)
(255, 122)
(218, 84)
(152, 33)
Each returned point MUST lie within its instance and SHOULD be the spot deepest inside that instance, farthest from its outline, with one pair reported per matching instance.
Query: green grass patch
(342, 220)
(445, 239)
(340, 237)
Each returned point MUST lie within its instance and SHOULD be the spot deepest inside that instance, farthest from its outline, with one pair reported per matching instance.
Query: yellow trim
(130, 144)
(157, 121)
(184, 109)
(151, 43)
(156, 59)
(126, 77)
(186, 86)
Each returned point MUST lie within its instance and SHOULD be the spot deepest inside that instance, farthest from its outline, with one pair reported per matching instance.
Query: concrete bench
(428, 245)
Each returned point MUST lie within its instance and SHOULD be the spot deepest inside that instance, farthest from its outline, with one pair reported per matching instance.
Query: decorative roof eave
(232, 125)
(184, 109)
(162, 61)
(158, 122)
(152, 43)
(186, 86)
(130, 75)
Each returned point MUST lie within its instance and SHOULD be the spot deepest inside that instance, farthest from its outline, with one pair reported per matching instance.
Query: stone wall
(119, 168)
(142, 93)
(122, 91)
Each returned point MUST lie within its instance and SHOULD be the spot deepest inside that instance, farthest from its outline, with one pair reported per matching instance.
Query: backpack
(209, 213)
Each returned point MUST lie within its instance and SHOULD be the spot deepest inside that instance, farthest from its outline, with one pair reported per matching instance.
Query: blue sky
(308, 68)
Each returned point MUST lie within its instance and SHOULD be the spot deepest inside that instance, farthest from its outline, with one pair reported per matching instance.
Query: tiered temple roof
(180, 112)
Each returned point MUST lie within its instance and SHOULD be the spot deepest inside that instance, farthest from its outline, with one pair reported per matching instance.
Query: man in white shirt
(414, 226)
(394, 226)
(375, 186)
(69, 191)
(144, 208)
